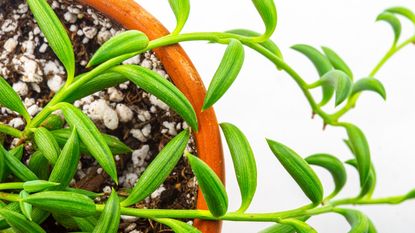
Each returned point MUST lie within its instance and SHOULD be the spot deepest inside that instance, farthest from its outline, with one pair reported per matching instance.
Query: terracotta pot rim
(183, 73)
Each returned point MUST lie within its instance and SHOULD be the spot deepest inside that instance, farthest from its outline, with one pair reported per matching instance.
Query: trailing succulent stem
(30, 200)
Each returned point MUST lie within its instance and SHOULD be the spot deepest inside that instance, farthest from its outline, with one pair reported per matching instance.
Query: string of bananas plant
(37, 192)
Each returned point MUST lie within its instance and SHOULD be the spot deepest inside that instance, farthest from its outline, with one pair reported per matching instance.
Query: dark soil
(180, 188)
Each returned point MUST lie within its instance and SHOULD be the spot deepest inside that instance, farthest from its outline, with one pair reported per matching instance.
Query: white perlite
(10, 45)
(55, 83)
(158, 192)
(16, 122)
(21, 88)
(124, 112)
(99, 110)
(139, 156)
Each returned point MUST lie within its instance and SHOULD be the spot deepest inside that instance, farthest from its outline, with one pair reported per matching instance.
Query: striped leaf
(53, 122)
(39, 165)
(16, 167)
(299, 226)
(392, 20)
(268, 12)
(55, 33)
(299, 169)
(178, 226)
(47, 144)
(91, 138)
(403, 11)
(335, 81)
(155, 84)
(110, 218)
(86, 224)
(243, 161)
(19, 223)
(369, 84)
(67, 203)
(26, 208)
(181, 9)
(123, 43)
(337, 62)
(369, 187)
(12, 101)
(38, 185)
(159, 169)
(67, 163)
(358, 221)
(225, 75)
(212, 188)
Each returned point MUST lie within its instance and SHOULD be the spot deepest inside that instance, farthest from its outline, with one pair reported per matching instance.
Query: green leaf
(98, 83)
(212, 188)
(19, 223)
(335, 80)
(123, 43)
(66, 221)
(110, 217)
(38, 185)
(369, 187)
(403, 11)
(19, 170)
(360, 146)
(322, 65)
(67, 203)
(13, 206)
(39, 165)
(84, 192)
(337, 62)
(225, 75)
(181, 9)
(67, 163)
(282, 228)
(369, 84)
(55, 33)
(4, 171)
(299, 169)
(47, 144)
(177, 226)
(393, 21)
(268, 44)
(158, 86)
(116, 146)
(91, 138)
(334, 166)
(268, 12)
(26, 208)
(159, 169)
(300, 226)
(372, 228)
(53, 122)
(86, 224)
(12, 101)
(243, 161)
(357, 220)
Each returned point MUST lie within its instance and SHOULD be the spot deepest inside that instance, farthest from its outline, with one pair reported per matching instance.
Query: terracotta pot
(184, 75)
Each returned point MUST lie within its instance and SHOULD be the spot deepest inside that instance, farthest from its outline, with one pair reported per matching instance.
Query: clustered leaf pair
(43, 191)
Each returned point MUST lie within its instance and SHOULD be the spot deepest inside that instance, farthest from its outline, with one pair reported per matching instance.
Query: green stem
(9, 197)
(15, 185)
(10, 131)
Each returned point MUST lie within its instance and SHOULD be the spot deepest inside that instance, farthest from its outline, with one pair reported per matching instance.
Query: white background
(266, 103)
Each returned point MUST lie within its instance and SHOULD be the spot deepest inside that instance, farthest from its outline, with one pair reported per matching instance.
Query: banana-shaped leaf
(98, 83)
(268, 44)
(369, 187)
(4, 171)
(18, 169)
(53, 122)
(110, 217)
(334, 166)
(38, 185)
(393, 21)
(322, 65)
(212, 188)
(26, 208)
(337, 62)
(19, 223)
(84, 192)
(282, 228)
(91, 138)
(268, 12)
(116, 146)
(67, 203)
(86, 224)
(14, 207)
(177, 226)
(403, 11)
(55, 33)
(225, 75)
(67, 163)
(10, 99)
(158, 86)
(47, 144)
(369, 84)
(299, 169)
(372, 228)
(39, 165)
(123, 43)
(358, 221)
(181, 9)
(66, 221)
(159, 169)
(361, 150)
(335, 80)
(299, 226)
(243, 161)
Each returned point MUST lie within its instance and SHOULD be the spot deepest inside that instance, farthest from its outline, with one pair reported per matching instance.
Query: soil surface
(137, 118)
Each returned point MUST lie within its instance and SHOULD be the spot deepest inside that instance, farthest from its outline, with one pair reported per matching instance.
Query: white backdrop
(267, 103)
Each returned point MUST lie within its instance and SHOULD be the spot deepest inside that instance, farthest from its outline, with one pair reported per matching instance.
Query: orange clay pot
(184, 75)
